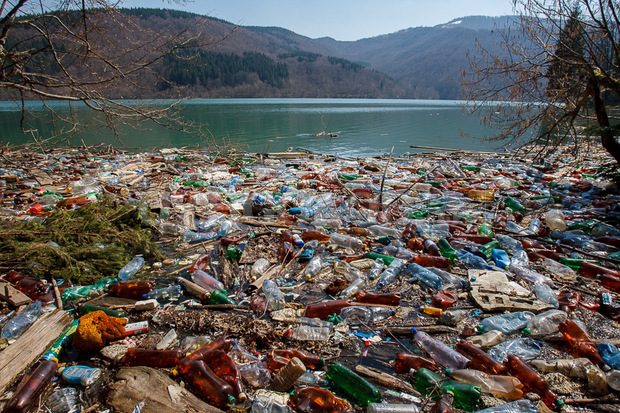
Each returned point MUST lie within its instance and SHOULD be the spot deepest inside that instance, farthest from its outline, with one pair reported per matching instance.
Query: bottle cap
(480, 327)
(448, 372)
(527, 331)
(414, 330)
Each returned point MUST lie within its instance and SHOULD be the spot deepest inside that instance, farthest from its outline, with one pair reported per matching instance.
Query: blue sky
(340, 19)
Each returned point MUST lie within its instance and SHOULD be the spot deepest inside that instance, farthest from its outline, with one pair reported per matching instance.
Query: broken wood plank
(27, 349)
(12, 295)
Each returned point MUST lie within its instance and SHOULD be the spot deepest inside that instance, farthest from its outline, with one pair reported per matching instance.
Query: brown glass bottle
(311, 234)
(613, 241)
(317, 400)
(392, 299)
(226, 369)
(232, 239)
(415, 244)
(325, 309)
(535, 254)
(444, 405)
(591, 270)
(220, 343)
(432, 261)
(358, 231)
(480, 360)
(609, 281)
(134, 289)
(351, 257)
(579, 343)
(405, 362)
(476, 238)
(205, 383)
(312, 361)
(152, 358)
(531, 380)
(28, 394)
(31, 285)
(286, 252)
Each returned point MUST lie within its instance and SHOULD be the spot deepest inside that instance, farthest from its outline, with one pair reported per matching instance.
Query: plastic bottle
(439, 351)
(226, 369)
(452, 317)
(545, 323)
(220, 297)
(89, 308)
(259, 267)
(16, 326)
(387, 260)
(207, 281)
(392, 299)
(83, 375)
(392, 408)
(509, 244)
(311, 234)
(579, 343)
(431, 247)
(446, 249)
(225, 228)
(529, 275)
(554, 218)
(63, 400)
(307, 251)
(168, 293)
(507, 387)
(132, 267)
(486, 340)
(532, 381)
(432, 261)
(466, 396)
(444, 299)
(398, 252)
(424, 276)
(273, 294)
(310, 360)
(546, 294)
(346, 241)
(517, 406)
(191, 236)
(472, 261)
(449, 280)
(405, 362)
(325, 309)
(558, 269)
(480, 360)
(204, 382)
(313, 268)
(507, 323)
(355, 315)
(134, 289)
(390, 273)
(269, 402)
(380, 230)
(514, 205)
(310, 333)
(222, 343)
(28, 394)
(500, 257)
(353, 385)
(315, 399)
(152, 358)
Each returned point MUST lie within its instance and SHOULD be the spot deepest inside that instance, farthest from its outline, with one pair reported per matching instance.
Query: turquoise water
(363, 126)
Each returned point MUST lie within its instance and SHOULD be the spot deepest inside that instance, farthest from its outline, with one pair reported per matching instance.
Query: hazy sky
(340, 19)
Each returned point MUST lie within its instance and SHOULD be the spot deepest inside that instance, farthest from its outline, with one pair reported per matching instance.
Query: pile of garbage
(296, 282)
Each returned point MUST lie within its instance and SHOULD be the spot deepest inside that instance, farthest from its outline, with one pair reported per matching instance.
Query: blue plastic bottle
(501, 258)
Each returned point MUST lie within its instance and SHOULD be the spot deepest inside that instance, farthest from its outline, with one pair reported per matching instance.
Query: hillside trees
(77, 52)
(561, 66)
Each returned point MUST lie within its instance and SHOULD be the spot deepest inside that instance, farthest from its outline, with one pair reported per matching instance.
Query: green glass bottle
(446, 249)
(234, 197)
(584, 225)
(466, 396)
(470, 168)
(489, 247)
(417, 214)
(352, 384)
(349, 177)
(514, 205)
(485, 228)
(437, 204)
(218, 297)
(233, 253)
(374, 255)
(197, 183)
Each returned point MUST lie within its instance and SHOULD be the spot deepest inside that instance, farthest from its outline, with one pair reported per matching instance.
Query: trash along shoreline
(189, 280)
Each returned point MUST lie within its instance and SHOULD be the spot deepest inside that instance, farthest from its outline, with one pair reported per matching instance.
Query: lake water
(363, 126)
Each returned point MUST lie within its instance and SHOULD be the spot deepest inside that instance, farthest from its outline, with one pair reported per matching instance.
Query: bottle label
(133, 329)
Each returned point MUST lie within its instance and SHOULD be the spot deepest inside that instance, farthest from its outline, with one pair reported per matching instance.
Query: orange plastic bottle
(480, 360)
(221, 343)
(205, 383)
(310, 360)
(323, 310)
(351, 257)
(311, 234)
(134, 289)
(358, 231)
(532, 381)
(223, 208)
(579, 342)
(415, 244)
(25, 397)
(152, 358)
(317, 400)
(392, 299)
(227, 370)
(432, 261)
(405, 362)
(444, 299)
(201, 263)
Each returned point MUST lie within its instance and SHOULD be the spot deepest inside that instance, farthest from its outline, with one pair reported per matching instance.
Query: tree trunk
(608, 140)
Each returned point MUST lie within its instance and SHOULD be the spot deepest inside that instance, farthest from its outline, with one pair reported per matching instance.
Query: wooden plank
(12, 295)
(31, 345)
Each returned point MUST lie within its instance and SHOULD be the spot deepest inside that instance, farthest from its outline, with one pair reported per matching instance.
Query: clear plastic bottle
(264, 402)
(132, 267)
(471, 260)
(398, 252)
(499, 386)
(507, 323)
(517, 406)
(356, 315)
(63, 400)
(439, 351)
(520, 258)
(310, 333)
(274, 295)
(251, 367)
(546, 294)
(554, 218)
(390, 273)
(376, 269)
(191, 236)
(509, 244)
(392, 408)
(259, 267)
(224, 228)
(313, 267)
(380, 231)
(16, 326)
(424, 276)
(169, 293)
(486, 340)
(545, 323)
(558, 269)
(529, 275)
(207, 281)
(346, 241)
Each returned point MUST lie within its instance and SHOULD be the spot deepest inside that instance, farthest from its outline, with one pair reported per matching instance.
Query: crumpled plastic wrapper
(97, 329)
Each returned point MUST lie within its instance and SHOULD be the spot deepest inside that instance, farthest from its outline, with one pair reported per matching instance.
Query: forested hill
(269, 62)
